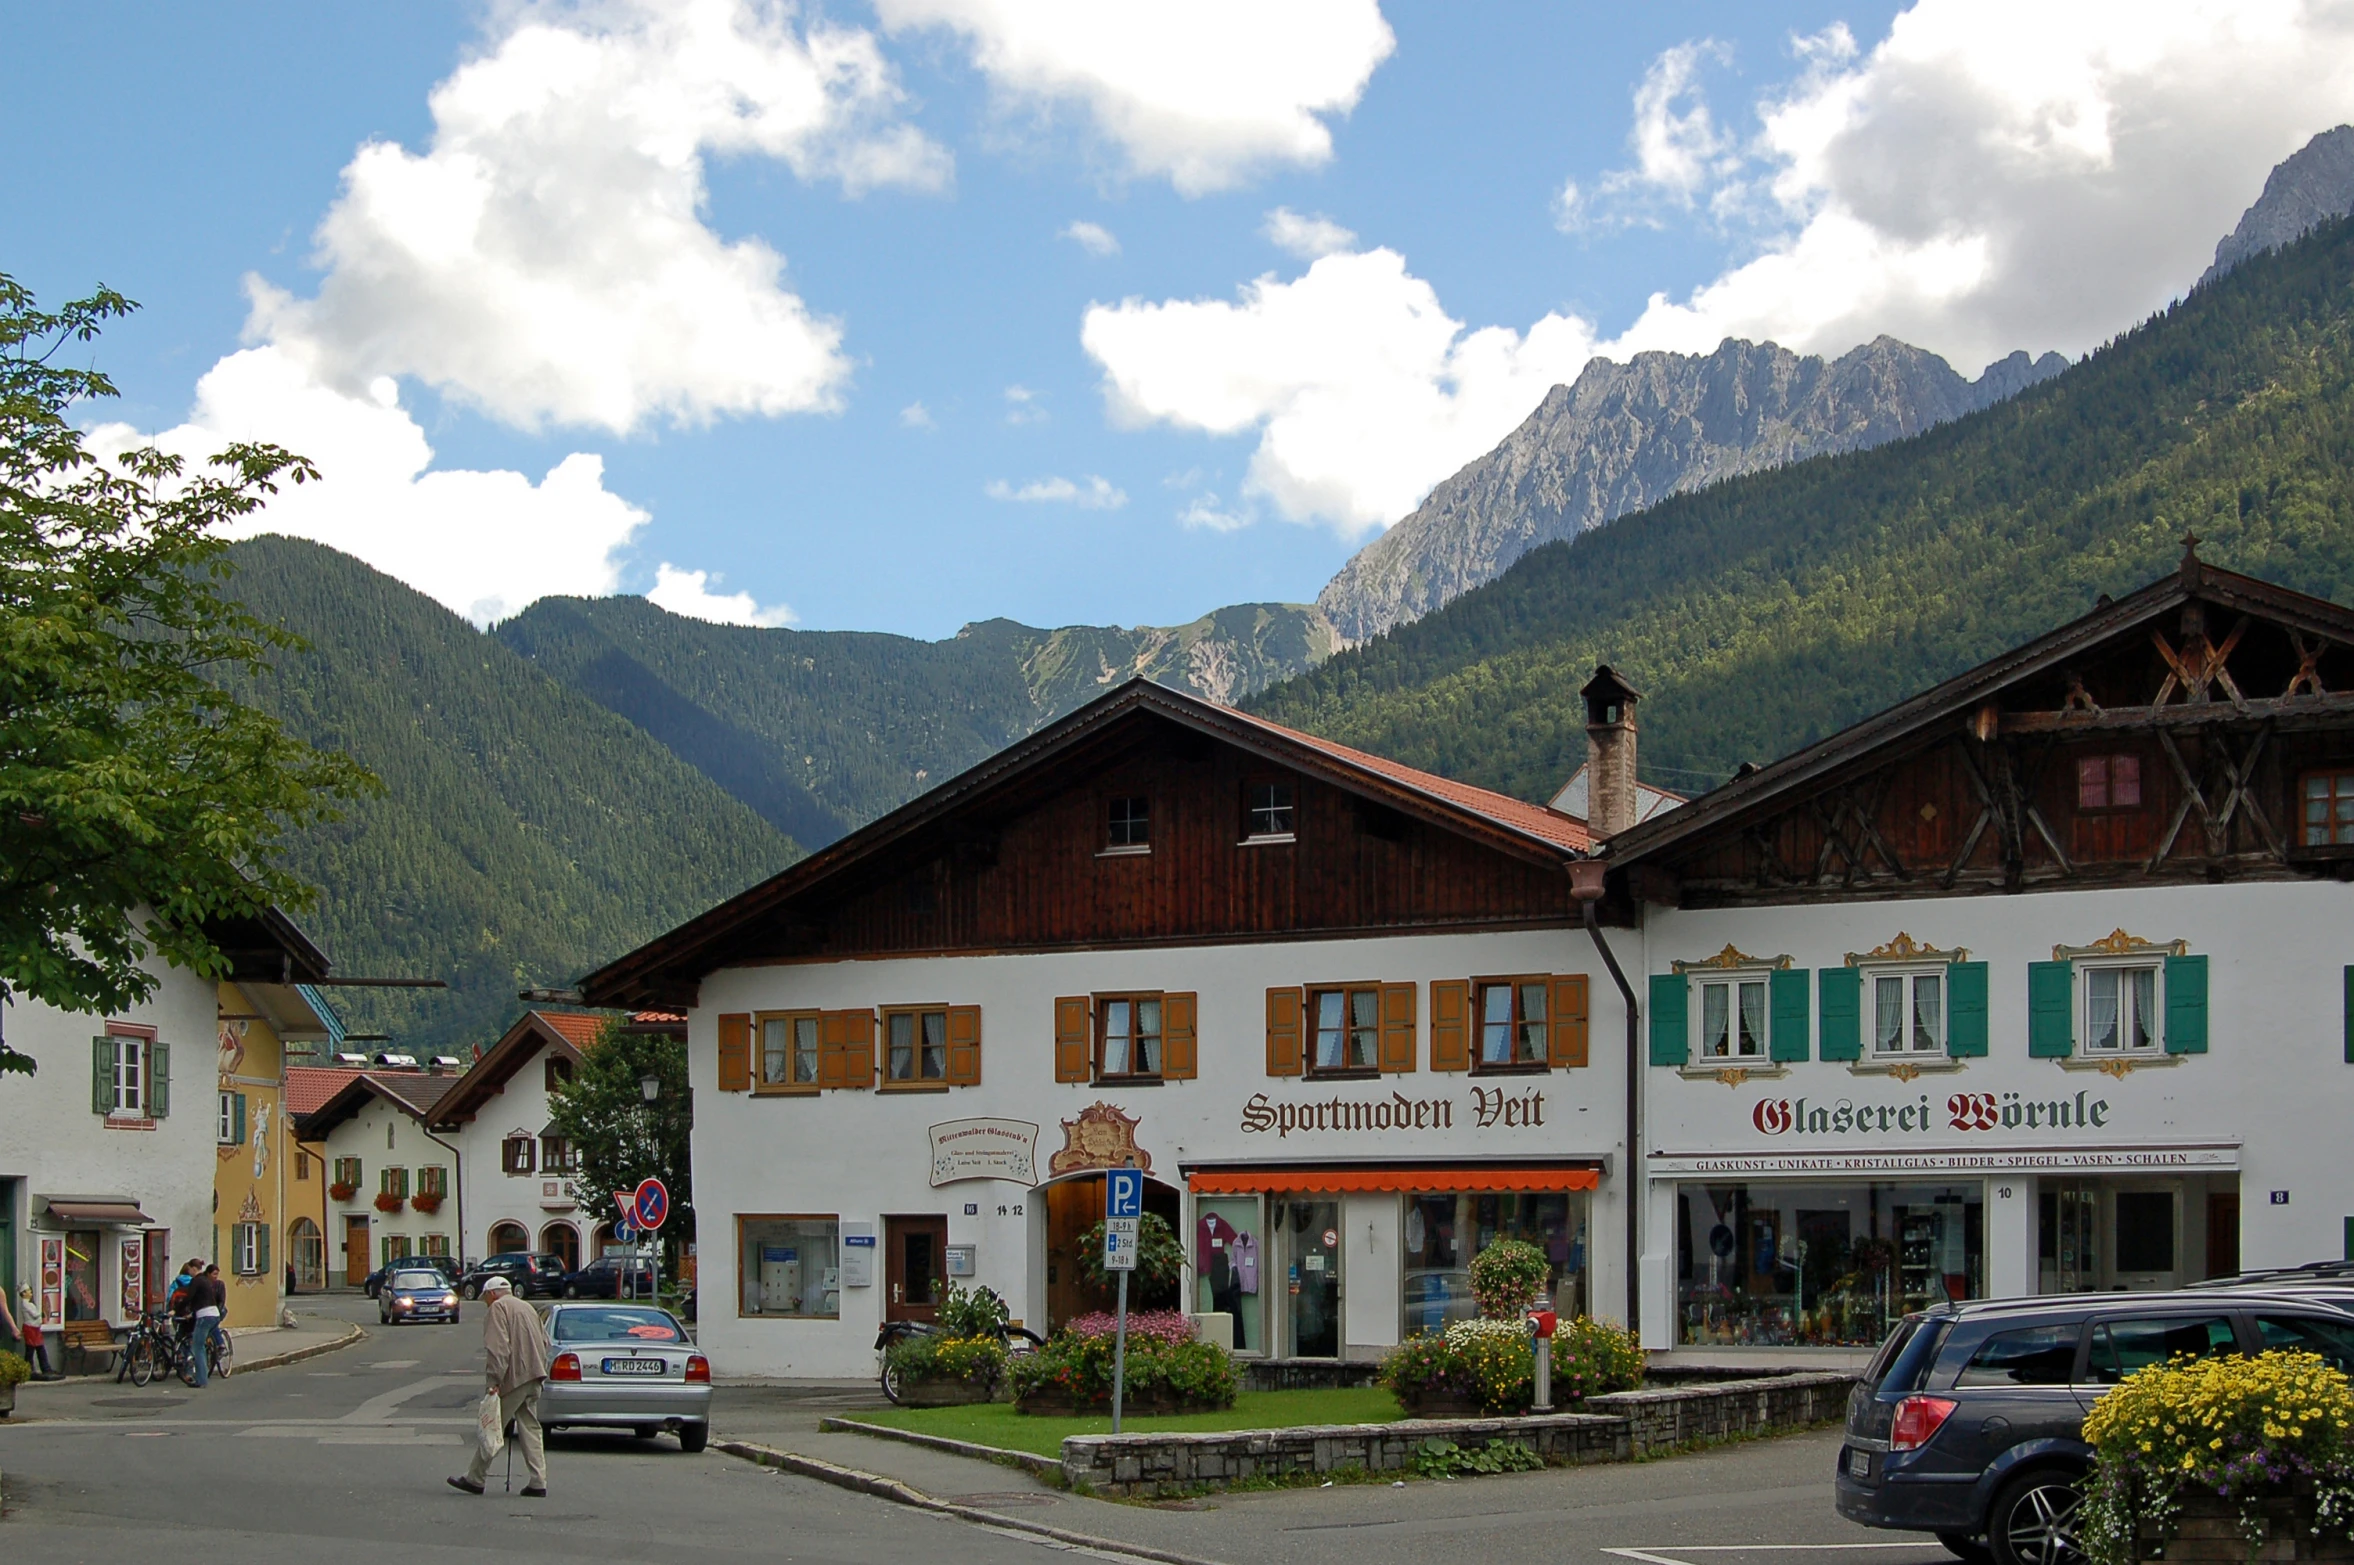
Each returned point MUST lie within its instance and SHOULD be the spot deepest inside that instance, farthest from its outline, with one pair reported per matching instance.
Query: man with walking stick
(516, 1364)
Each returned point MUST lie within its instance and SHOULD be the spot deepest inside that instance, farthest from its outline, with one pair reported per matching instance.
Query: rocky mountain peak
(2309, 187)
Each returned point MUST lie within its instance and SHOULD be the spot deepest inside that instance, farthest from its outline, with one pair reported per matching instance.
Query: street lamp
(651, 1085)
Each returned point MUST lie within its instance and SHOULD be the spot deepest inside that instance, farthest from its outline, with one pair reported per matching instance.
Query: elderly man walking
(517, 1363)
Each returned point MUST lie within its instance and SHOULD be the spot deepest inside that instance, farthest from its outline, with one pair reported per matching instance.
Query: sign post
(1123, 1215)
(649, 1209)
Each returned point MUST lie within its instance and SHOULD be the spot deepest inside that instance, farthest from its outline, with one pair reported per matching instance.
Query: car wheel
(2034, 1520)
(1964, 1547)
(570, 1292)
(470, 1291)
(693, 1437)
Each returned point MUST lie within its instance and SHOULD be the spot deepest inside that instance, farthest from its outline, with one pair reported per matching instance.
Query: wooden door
(355, 1251)
(915, 1267)
(2223, 1233)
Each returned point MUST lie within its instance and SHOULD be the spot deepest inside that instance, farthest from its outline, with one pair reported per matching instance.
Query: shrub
(1495, 1362)
(1160, 1259)
(14, 1370)
(1507, 1276)
(1440, 1458)
(972, 1312)
(1164, 1369)
(2236, 1427)
(980, 1360)
(1591, 1357)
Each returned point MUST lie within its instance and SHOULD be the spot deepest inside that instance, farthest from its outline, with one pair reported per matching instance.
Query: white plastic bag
(489, 1428)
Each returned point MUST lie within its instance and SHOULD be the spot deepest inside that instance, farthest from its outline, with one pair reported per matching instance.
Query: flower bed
(1489, 1366)
(1167, 1372)
(2175, 1441)
(936, 1371)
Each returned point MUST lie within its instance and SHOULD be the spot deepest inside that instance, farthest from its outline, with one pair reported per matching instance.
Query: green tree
(617, 1135)
(139, 803)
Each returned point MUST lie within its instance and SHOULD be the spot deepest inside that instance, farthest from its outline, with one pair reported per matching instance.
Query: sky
(904, 314)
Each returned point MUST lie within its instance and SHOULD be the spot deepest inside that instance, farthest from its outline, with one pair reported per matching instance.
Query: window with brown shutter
(1179, 1056)
(833, 1029)
(1074, 1037)
(1397, 1028)
(1450, 1025)
(1568, 1042)
(964, 1046)
(1283, 1032)
(735, 1052)
(786, 1052)
(858, 1049)
(1342, 1027)
(915, 1047)
(1514, 1032)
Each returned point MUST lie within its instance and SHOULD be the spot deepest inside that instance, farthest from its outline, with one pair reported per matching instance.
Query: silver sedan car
(625, 1366)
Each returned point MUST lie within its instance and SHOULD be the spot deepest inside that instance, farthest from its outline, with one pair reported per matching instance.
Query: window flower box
(343, 1192)
(426, 1201)
(388, 1202)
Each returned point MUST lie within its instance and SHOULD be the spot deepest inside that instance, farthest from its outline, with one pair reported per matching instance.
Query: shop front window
(1312, 1254)
(82, 1299)
(1227, 1256)
(1445, 1230)
(790, 1267)
(1821, 1265)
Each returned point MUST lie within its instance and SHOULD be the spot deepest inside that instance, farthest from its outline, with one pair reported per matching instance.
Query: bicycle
(155, 1347)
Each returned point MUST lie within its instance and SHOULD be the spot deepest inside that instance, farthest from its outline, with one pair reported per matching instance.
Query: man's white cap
(495, 1285)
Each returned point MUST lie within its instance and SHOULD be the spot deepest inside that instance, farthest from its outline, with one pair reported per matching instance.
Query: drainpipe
(458, 1176)
(1586, 884)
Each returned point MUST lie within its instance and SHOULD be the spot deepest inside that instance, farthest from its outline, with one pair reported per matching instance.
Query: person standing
(515, 1364)
(210, 1298)
(29, 1329)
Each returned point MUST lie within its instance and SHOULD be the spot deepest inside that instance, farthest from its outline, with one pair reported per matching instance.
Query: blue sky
(946, 402)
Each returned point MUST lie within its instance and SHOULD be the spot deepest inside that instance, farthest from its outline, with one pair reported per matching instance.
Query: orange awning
(1475, 1181)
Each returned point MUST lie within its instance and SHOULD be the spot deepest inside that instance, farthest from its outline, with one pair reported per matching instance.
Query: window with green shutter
(1839, 999)
(2186, 1005)
(1790, 1028)
(2051, 1010)
(1965, 1036)
(1671, 1038)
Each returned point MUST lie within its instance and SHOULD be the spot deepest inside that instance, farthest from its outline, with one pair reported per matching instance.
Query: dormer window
(1271, 812)
(1130, 825)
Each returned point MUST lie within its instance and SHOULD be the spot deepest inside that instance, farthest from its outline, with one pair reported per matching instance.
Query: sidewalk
(258, 1348)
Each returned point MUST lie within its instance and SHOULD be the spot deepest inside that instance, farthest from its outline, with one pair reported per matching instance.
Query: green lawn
(997, 1424)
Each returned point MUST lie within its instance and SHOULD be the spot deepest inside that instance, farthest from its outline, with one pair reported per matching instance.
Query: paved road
(318, 1459)
(334, 1458)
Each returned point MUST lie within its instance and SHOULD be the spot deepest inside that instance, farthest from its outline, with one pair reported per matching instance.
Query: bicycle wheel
(139, 1359)
(223, 1352)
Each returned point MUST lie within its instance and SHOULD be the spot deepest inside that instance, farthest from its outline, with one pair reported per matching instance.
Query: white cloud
(1308, 237)
(1095, 494)
(484, 543)
(1996, 174)
(1024, 406)
(1207, 511)
(916, 416)
(546, 258)
(1363, 390)
(689, 593)
(1093, 238)
(1205, 92)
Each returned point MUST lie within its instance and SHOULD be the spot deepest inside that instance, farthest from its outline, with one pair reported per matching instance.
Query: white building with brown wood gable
(1338, 1010)
(2041, 981)
(518, 1190)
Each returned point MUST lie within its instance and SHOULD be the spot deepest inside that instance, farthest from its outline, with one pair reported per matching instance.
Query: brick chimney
(1611, 803)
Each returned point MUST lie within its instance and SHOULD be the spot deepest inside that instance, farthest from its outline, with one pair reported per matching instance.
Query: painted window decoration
(916, 1046)
(1348, 1030)
(1130, 825)
(1731, 1012)
(1512, 1022)
(2117, 1000)
(2121, 1009)
(2108, 782)
(1128, 1036)
(1908, 1014)
(1733, 1018)
(1272, 812)
(515, 1155)
(789, 1268)
(789, 1051)
(2329, 809)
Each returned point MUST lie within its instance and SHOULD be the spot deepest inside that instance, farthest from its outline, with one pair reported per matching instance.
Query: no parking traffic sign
(652, 1205)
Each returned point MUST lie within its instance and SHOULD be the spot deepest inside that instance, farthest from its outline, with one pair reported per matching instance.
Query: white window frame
(1906, 1049)
(1731, 980)
(1281, 820)
(2155, 1022)
(130, 1076)
(248, 1259)
(225, 1129)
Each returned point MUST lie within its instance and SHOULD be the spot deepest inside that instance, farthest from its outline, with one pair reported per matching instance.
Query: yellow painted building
(266, 1189)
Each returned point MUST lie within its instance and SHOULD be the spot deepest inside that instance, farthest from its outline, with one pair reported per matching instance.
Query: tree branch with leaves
(618, 1137)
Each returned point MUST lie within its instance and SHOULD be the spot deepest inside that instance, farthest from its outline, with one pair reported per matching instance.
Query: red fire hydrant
(1543, 1322)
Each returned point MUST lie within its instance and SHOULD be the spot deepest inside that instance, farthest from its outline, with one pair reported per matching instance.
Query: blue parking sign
(1123, 1193)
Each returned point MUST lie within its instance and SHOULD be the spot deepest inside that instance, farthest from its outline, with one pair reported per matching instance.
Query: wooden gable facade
(2201, 729)
(1131, 822)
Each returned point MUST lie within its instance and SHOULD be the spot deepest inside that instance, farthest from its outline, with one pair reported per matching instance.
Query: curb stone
(906, 1494)
(1049, 1468)
(297, 1355)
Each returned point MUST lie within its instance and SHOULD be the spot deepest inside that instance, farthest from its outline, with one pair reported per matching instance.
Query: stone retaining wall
(1303, 1374)
(1612, 1428)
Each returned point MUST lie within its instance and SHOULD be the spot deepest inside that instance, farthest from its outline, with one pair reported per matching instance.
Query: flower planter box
(945, 1393)
(428, 1204)
(2210, 1534)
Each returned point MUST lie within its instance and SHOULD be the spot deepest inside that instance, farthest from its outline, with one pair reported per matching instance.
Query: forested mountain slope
(822, 731)
(1769, 610)
(525, 833)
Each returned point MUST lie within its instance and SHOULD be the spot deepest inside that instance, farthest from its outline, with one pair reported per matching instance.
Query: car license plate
(1859, 1464)
(634, 1366)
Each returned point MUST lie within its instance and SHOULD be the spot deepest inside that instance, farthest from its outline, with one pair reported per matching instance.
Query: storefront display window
(791, 1267)
(1228, 1257)
(1312, 1281)
(81, 1275)
(1821, 1265)
(1445, 1230)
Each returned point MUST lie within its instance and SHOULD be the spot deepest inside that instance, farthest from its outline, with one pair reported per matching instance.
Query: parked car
(610, 1277)
(625, 1366)
(1969, 1422)
(416, 1293)
(533, 1276)
(447, 1265)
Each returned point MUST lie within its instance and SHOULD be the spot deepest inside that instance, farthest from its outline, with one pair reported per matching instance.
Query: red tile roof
(309, 1086)
(574, 1027)
(1513, 814)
